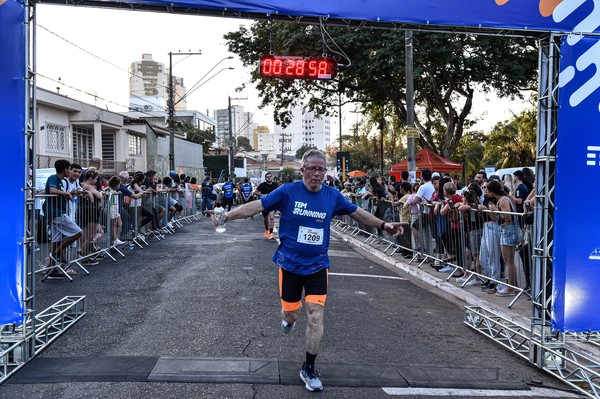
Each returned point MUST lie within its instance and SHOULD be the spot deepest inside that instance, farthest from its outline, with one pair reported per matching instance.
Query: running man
(306, 207)
(263, 189)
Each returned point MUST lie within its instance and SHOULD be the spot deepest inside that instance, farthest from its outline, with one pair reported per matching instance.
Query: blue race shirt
(304, 224)
(228, 190)
(246, 190)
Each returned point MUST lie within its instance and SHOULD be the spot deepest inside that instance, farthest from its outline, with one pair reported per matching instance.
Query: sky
(91, 49)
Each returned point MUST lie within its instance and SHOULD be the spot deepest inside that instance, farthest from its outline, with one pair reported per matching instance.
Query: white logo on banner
(593, 155)
(589, 58)
(589, 24)
(595, 255)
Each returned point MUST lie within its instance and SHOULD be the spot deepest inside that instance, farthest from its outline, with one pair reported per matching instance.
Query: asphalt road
(203, 294)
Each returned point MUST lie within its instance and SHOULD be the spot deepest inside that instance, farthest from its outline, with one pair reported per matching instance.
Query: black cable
(95, 56)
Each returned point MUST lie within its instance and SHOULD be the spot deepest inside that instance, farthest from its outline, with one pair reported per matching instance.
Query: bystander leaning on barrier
(89, 211)
(64, 231)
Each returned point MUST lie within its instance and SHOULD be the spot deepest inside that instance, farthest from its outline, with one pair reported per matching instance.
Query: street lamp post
(230, 158)
(171, 107)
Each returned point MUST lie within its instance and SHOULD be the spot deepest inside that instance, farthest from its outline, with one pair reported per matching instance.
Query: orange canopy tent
(357, 173)
(427, 159)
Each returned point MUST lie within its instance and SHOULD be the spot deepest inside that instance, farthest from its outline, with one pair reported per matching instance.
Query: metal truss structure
(20, 343)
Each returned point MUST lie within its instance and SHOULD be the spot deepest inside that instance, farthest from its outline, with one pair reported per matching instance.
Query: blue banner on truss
(540, 15)
(12, 125)
(576, 268)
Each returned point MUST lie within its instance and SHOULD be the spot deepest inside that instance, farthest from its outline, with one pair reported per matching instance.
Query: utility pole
(340, 116)
(411, 132)
(283, 139)
(171, 105)
(171, 109)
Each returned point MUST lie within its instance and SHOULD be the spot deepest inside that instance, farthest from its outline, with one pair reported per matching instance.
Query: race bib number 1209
(310, 236)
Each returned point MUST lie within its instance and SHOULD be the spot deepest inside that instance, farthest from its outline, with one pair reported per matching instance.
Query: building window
(135, 145)
(83, 144)
(56, 138)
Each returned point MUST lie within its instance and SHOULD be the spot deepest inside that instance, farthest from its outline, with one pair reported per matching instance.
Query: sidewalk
(520, 312)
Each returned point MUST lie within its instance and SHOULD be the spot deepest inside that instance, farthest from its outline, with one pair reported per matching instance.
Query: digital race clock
(297, 67)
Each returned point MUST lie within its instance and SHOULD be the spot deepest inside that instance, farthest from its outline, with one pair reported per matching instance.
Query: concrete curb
(468, 298)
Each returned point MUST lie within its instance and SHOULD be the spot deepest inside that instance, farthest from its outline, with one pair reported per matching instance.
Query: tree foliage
(512, 143)
(244, 143)
(448, 69)
(289, 174)
(195, 135)
(300, 151)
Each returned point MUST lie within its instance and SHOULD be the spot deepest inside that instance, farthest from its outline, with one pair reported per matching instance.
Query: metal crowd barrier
(467, 242)
(108, 225)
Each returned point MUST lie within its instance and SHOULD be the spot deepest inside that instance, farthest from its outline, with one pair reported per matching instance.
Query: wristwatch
(382, 226)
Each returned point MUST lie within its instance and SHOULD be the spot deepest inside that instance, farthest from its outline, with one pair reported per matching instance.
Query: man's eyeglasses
(313, 169)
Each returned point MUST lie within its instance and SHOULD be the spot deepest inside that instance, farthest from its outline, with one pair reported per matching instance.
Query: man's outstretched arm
(367, 219)
(244, 211)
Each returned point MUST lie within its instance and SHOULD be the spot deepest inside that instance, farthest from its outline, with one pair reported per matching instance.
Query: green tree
(289, 174)
(470, 153)
(195, 135)
(448, 69)
(300, 151)
(244, 143)
(512, 143)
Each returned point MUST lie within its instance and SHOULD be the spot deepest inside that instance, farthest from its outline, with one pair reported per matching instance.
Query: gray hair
(124, 175)
(313, 152)
(96, 161)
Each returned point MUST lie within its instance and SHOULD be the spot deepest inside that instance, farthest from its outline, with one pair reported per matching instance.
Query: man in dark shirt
(521, 190)
(263, 189)
(207, 189)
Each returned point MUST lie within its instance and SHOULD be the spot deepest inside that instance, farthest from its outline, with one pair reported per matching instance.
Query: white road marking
(343, 254)
(366, 275)
(471, 393)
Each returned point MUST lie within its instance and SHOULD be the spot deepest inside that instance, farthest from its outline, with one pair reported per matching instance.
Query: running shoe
(286, 327)
(461, 279)
(310, 378)
(473, 282)
(446, 269)
(118, 242)
(505, 292)
(266, 233)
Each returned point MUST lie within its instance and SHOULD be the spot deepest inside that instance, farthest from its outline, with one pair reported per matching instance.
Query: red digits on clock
(312, 68)
(299, 71)
(322, 68)
(277, 67)
(289, 69)
(297, 67)
(267, 66)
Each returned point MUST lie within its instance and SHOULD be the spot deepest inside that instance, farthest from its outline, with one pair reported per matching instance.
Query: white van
(510, 171)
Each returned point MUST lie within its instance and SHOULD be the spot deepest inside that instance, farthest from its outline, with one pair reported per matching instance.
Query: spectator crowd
(479, 233)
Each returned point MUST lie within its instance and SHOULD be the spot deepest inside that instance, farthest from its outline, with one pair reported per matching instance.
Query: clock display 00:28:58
(298, 67)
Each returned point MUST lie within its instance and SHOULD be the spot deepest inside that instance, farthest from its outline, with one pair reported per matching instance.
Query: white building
(149, 86)
(241, 125)
(306, 128)
(76, 131)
